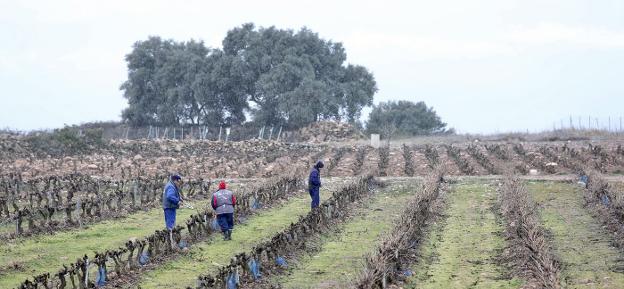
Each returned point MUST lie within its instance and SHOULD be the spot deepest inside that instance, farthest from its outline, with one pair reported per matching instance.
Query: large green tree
(404, 118)
(295, 78)
(282, 77)
(141, 89)
(172, 83)
(220, 97)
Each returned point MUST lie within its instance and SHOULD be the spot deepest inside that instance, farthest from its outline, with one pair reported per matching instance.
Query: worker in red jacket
(223, 202)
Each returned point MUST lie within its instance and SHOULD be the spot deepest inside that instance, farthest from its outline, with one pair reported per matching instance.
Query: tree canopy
(280, 77)
(404, 118)
(171, 83)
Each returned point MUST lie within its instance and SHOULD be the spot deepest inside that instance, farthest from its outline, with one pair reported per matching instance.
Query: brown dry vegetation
(395, 252)
(25, 180)
(528, 252)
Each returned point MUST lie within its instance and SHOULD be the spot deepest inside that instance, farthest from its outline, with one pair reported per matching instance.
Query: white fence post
(86, 280)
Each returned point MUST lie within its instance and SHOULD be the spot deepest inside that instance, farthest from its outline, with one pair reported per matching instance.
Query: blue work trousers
(226, 221)
(170, 218)
(316, 198)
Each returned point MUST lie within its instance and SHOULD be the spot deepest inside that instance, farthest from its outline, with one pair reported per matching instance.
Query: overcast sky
(484, 65)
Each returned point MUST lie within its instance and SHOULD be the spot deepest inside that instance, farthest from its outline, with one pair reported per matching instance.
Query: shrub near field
(66, 141)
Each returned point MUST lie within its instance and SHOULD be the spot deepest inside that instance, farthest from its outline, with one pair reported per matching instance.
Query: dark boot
(225, 235)
(229, 235)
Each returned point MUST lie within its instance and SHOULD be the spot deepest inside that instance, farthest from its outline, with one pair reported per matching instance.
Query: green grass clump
(584, 248)
(25, 257)
(341, 256)
(461, 251)
(209, 256)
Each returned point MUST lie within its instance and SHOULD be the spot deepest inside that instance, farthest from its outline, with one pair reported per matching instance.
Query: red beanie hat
(222, 185)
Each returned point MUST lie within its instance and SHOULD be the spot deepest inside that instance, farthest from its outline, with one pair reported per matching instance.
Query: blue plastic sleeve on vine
(280, 261)
(254, 268)
(232, 281)
(144, 258)
(100, 279)
(214, 225)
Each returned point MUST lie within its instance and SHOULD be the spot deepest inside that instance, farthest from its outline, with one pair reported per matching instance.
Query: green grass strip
(207, 257)
(460, 251)
(342, 254)
(584, 248)
(22, 258)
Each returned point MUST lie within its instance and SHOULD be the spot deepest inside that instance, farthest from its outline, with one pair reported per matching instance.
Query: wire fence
(199, 133)
(607, 124)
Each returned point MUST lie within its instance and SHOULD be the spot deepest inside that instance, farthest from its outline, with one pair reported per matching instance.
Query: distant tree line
(278, 77)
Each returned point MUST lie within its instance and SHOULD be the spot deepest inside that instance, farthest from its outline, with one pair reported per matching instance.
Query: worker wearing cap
(314, 184)
(223, 202)
(171, 200)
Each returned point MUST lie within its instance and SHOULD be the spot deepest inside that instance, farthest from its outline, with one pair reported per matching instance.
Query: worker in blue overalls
(172, 200)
